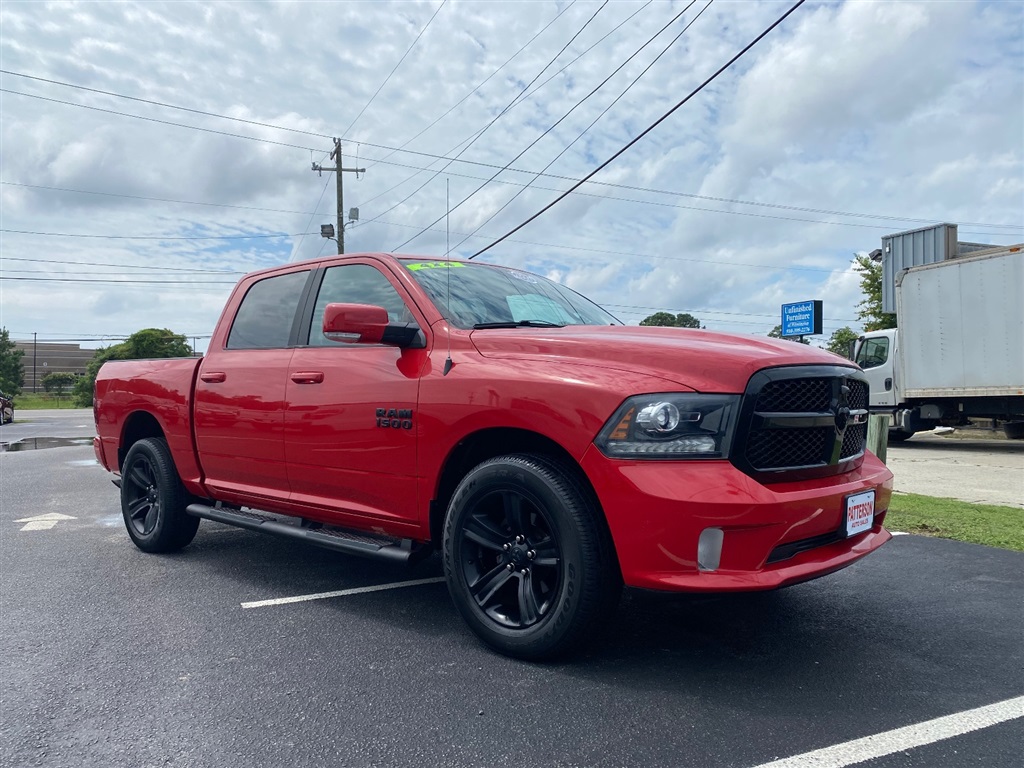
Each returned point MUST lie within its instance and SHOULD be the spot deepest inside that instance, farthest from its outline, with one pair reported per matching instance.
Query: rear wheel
(528, 562)
(153, 499)
(1014, 430)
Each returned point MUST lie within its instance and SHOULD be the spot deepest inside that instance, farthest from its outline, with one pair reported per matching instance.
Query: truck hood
(705, 361)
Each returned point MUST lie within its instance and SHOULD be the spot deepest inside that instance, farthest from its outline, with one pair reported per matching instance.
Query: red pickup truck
(388, 406)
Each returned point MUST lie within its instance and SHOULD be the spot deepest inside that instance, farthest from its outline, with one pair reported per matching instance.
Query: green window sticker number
(415, 267)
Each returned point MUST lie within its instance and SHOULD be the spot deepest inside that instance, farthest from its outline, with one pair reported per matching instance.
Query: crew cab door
(351, 420)
(239, 407)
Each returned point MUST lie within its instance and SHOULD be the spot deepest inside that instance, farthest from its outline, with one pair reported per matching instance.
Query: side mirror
(368, 324)
(852, 347)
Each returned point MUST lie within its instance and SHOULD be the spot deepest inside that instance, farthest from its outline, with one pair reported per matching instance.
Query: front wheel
(527, 559)
(899, 435)
(153, 499)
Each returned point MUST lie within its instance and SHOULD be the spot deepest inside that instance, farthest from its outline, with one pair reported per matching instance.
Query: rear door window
(265, 316)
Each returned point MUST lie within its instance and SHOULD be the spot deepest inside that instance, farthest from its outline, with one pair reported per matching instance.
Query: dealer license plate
(860, 513)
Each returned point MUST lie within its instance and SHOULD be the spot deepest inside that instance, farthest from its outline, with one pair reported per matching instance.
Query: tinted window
(355, 284)
(264, 320)
(480, 293)
(873, 352)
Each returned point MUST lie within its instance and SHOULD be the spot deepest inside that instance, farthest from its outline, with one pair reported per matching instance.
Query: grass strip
(989, 524)
(40, 402)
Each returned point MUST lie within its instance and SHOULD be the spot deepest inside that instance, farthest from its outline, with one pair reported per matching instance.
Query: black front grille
(802, 418)
(795, 396)
(853, 440)
(794, 548)
(787, 448)
(858, 394)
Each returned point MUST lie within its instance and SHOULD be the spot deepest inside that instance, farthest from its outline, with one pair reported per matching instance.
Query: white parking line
(902, 739)
(341, 593)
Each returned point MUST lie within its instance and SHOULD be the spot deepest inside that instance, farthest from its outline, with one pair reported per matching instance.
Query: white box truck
(958, 350)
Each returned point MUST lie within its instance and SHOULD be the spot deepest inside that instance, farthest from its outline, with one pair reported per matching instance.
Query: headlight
(671, 426)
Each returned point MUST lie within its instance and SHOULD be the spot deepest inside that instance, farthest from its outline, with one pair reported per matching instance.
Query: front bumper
(656, 511)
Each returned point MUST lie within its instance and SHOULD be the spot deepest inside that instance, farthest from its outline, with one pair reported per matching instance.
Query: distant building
(49, 358)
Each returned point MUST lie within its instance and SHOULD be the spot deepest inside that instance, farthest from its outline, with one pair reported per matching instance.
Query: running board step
(338, 539)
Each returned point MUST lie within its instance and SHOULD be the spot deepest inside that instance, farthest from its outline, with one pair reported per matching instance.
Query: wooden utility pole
(339, 170)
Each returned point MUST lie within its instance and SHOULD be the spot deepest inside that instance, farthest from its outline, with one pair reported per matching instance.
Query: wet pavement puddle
(41, 443)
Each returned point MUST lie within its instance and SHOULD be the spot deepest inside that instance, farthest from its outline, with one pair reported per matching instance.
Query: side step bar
(338, 539)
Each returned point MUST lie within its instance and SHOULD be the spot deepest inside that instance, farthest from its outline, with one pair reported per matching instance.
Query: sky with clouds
(151, 153)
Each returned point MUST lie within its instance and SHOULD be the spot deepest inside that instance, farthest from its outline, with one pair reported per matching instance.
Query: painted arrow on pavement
(43, 522)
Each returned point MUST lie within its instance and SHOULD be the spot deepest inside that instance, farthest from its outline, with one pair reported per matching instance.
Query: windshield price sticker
(860, 513)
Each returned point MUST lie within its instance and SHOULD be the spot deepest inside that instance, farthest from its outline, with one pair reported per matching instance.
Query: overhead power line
(560, 177)
(501, 114)
(476, 88)
(395, 69)
(153, 199)
(550, 128)
(377, 219)
(730, 313)
(151, 237)
(116, 282)
(647, 130)
(120, 266)
(521, 98)
(594, 122)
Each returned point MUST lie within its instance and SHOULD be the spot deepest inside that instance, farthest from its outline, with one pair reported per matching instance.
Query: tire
(153, 499)
(528, 560)
(899, 435)
(1014, 430)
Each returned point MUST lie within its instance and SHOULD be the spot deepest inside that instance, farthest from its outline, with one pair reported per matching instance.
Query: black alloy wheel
(527, 556)
(143, 496)
(153, 499)
(511, 561)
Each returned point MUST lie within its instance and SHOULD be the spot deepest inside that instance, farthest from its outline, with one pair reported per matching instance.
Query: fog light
(709, 549)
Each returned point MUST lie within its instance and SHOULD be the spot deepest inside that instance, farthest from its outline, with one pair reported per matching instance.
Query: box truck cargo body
(958, 349)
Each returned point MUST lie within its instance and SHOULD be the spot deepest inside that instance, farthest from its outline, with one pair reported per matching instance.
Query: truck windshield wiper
(518, 324)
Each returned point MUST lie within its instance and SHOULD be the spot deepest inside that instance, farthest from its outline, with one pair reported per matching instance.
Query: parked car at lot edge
(389, 406)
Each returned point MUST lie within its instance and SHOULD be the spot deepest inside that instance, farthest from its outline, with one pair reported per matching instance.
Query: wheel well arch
(138, 426)
(478, 447)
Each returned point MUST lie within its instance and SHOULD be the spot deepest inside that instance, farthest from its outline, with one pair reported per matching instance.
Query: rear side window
(264, 319)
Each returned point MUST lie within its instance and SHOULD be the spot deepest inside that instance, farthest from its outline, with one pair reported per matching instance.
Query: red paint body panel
(160, 388)
(657, 510)
(296, 430)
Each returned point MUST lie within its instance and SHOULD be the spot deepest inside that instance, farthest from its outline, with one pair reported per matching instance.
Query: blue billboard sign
(802, 318)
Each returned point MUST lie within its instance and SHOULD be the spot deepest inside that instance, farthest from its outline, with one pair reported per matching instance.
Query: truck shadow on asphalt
(861, 622)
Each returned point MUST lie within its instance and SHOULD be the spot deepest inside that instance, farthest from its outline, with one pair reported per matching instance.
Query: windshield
(482, 294)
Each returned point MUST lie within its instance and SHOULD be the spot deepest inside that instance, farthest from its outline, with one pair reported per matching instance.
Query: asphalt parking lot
(111, 657)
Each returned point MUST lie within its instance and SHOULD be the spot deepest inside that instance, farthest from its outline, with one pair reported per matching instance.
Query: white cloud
(899, 109)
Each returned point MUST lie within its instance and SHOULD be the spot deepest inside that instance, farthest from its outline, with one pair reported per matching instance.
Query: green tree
(12, 370)
(869, 311)
(776, 333)
(682, 320)
(58, 382)
(839, 341)
(147, 343)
